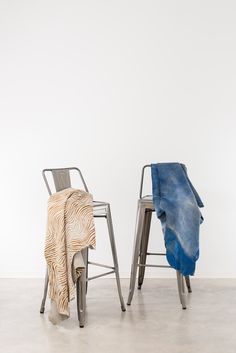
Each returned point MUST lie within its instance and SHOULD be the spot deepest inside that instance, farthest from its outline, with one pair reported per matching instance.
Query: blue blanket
(177, 206)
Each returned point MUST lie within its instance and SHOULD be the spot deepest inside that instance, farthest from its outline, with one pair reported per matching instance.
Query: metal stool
(140, 253)
(62, 180)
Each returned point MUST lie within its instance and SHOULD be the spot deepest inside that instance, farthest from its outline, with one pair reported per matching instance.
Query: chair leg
(136, 250)
(144, 246)
(85, 257)
(114, 255)
(181, 289)
(42, 308)
(81, 298)
(188, 284)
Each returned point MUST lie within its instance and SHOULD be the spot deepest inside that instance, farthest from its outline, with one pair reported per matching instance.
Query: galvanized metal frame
(140, 253)
(61, 177)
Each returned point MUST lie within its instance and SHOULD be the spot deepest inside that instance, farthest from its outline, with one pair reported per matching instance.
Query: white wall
(109, 86)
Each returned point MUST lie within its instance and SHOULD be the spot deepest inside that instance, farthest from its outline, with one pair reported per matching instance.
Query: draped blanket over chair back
(177, 206)
(70, 229)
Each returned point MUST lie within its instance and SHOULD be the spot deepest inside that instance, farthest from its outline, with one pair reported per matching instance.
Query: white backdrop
(109, 86)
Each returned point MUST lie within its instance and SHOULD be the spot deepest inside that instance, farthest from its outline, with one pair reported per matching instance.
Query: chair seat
(147, 202)
(100, 208)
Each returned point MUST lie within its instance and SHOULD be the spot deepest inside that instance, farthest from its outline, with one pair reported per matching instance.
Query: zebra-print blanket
(70, 228)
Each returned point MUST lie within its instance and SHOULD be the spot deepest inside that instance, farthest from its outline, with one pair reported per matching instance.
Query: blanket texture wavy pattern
(70, 229)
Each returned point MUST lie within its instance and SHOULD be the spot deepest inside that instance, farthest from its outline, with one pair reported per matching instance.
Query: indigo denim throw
(177, 206)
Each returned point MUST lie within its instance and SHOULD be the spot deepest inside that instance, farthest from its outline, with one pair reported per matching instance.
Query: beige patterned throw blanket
(70, 228)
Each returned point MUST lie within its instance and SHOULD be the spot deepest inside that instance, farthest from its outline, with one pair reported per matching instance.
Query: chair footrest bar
(99, 215)
(100, 265)
(162, 266)
(156, 253)
(101, 275)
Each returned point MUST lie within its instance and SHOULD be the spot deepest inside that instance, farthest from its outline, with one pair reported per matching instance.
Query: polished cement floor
(154, 322)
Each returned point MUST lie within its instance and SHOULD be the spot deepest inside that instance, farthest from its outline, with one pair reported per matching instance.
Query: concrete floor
(154, 322)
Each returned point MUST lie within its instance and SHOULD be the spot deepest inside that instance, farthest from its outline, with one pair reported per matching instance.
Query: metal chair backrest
(142, 180)
(62, 178)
